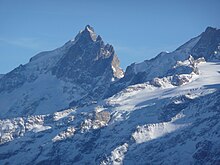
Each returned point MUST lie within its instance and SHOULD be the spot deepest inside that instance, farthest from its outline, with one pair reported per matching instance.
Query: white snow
(61, 114)
(36, 124)
(152, 131)
(209, 77)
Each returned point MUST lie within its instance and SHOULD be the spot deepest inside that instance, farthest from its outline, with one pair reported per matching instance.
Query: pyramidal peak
(89, 50)
(87, 34)
(91, 31)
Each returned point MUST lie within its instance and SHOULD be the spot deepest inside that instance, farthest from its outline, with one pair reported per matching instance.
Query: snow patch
(153, 131)
(65, 134)
(62, 114)
(117, 155)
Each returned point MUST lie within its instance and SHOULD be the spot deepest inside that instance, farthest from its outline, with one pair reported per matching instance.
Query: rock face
(208, 45)
(89, 63)
(77, 73)
(88, 60)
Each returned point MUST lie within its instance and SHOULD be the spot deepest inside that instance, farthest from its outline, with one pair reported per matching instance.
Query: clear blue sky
(138, 29)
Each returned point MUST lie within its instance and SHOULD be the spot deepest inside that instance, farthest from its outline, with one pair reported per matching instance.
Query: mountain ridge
(160, 65)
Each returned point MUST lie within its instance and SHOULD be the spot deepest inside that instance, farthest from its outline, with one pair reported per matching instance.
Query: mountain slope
(142, 124)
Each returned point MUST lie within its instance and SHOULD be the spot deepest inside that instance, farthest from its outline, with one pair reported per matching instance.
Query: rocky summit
(75, 105)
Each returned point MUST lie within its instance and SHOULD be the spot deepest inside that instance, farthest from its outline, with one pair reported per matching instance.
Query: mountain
(206, 45)
(78, 72)
(162, 111)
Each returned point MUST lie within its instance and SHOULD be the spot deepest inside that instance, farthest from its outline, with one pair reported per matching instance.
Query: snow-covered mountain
(163, 111)
(77, 73)
(205, 45)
